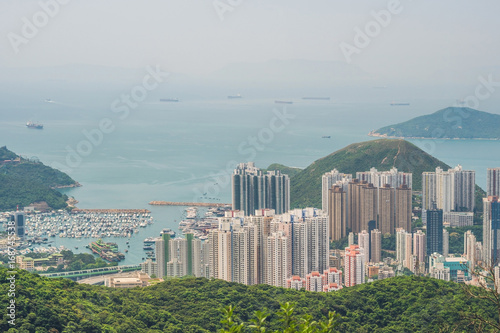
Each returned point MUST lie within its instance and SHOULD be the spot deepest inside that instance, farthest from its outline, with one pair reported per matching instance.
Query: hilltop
(383, 154)
(27, 181)
(448, 123)
(401, 304)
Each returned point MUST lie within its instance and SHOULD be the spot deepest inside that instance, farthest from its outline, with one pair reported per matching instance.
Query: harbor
(166, 218)
(87, 223)
(200, 226)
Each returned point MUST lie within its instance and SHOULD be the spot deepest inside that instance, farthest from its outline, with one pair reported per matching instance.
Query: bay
(186, 150)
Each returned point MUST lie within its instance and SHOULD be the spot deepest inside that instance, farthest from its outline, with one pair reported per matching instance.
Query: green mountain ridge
(24, 182)
(448, 123)
(401, 304)
(383, 154)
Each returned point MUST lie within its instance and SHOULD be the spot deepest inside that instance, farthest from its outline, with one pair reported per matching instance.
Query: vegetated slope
(23, 182)
(290, 171)
(452, 122)
(402, 304)
(383, 154)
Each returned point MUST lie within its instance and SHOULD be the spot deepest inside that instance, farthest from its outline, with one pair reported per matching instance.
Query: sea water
(185, 151)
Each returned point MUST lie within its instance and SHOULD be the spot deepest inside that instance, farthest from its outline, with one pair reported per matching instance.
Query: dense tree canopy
(402, 304)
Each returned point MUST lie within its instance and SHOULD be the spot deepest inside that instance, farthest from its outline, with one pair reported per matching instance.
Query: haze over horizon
(423, 41)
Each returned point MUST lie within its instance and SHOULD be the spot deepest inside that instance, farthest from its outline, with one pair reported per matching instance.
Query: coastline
(76, 184)
(385, 136)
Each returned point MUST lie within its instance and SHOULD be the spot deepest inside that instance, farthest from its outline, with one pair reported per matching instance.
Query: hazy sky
(188, 35)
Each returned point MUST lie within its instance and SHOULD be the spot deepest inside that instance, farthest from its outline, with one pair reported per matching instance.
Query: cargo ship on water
(317, 98)
(31, 124)
(234, 96)
(169, 99)
(283, 102)
(107, 251)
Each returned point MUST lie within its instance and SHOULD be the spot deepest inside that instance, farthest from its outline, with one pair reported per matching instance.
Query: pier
(194, 204)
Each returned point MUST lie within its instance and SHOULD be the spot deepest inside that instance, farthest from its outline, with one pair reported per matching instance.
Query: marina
(200, 226)
(86, 224)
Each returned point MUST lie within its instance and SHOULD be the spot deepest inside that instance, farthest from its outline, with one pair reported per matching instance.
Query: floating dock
(195, 204)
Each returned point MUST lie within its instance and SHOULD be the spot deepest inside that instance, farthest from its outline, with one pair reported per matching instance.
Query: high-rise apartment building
(434, 231)
(354, 266)
(253, 190)
(393, 178)
(491, 230)
(328, 180)
(375, 246)
(451, 190)
(19, 220)
(354, 202)
(279, 266)
(386, 209)
(364, 243)
(404, 254)
(493, 182)
(337, 212)
(403, 208)
(470, 248)
(419, 243)
(162, 254)
(446, 243)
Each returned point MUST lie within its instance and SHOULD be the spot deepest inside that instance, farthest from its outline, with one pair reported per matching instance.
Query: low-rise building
(139, 279)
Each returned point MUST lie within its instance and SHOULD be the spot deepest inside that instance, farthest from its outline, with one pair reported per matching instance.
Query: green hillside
(383, 154)
(402, 304)
(24, 182)
(290, 171)
(452, 122)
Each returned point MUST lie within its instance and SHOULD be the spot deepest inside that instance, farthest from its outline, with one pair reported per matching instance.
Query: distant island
(448, 123)
(27, 181)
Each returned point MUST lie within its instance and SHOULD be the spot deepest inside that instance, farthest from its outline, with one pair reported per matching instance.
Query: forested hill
(448, 123)
(402, 304)
(383, 154)
(24, 181)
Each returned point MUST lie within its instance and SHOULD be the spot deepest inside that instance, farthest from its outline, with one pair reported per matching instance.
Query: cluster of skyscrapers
(381, 196)
(261, 248)
(262, 241)
(252, 189)
(451, 190)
